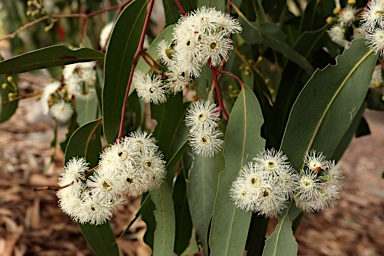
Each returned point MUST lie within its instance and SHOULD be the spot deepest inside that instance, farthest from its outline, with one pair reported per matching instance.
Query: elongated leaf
(164, 237)
(52, 56)
(344, 142)
(149, 218)
(85, 142)
(7, 108)
(326, 107)
(203, 178)
(145, 202)
(182, 215)
(321, 116)
(86, 110)
(315, 14)
(282, 241)
(118, 60)
(242, 142)
(100, 238)
(170, 118)
(292, 82)
(274, 38)
(251, 30)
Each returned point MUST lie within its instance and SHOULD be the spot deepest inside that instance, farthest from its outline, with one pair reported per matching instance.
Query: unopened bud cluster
(267, 184)
(202, 120)
(201, 36)
(344, 20)
(132, 166)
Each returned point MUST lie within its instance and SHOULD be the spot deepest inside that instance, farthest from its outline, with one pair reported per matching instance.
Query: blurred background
(31, 223)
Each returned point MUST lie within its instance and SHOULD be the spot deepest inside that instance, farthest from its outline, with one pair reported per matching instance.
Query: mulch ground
(32, 224)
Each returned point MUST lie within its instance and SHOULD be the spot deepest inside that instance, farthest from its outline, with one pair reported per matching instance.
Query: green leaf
(148, 217)
(183, 217)
(203, 178)
(7, 107)
(172, 12)
(51, 56)
(86, 110)
(251, 30)
(325, 108)
(320, 118)
(344, 142)
(274, 38)
(217, 4)
(315, 14)
(171, 137)
(164, 236)
(85, 142)
(170, 118)
(118, 60)
(145, 202)
(242, 142)
(292, 82)
(282, 241)
(100, 238)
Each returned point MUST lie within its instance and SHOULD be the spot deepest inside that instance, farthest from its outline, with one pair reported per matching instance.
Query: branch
(217, 89)
(57, 16)
(134, 63)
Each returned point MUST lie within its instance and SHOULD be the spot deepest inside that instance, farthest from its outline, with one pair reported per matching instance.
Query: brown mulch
(32, 224)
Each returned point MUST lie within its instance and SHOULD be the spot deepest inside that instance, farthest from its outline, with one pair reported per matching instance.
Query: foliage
(289, 89)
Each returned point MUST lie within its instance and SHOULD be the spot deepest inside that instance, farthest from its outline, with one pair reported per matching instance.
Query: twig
(231, 75)
(57, 16)
(180, 7)
(134, 63)
(152, 65)
(217, 89)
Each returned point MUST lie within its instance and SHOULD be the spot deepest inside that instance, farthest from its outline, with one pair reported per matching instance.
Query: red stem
(180, 8)
(229, 3)
(381, 62)
(134, 63)
(231, 75)
(152, 65)
(217, 89)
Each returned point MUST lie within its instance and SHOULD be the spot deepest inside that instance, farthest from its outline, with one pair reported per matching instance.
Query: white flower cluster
(266, 184)
(130, 167)
(319, 184)
(204, 134)
(345, 19)
(80, 79)
(199, 37)
(372, 21)
(55, 102)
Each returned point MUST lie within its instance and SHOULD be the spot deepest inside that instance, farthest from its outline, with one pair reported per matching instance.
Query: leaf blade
(230, 225)
(85, 142)
(118, 60)
(51, 56)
